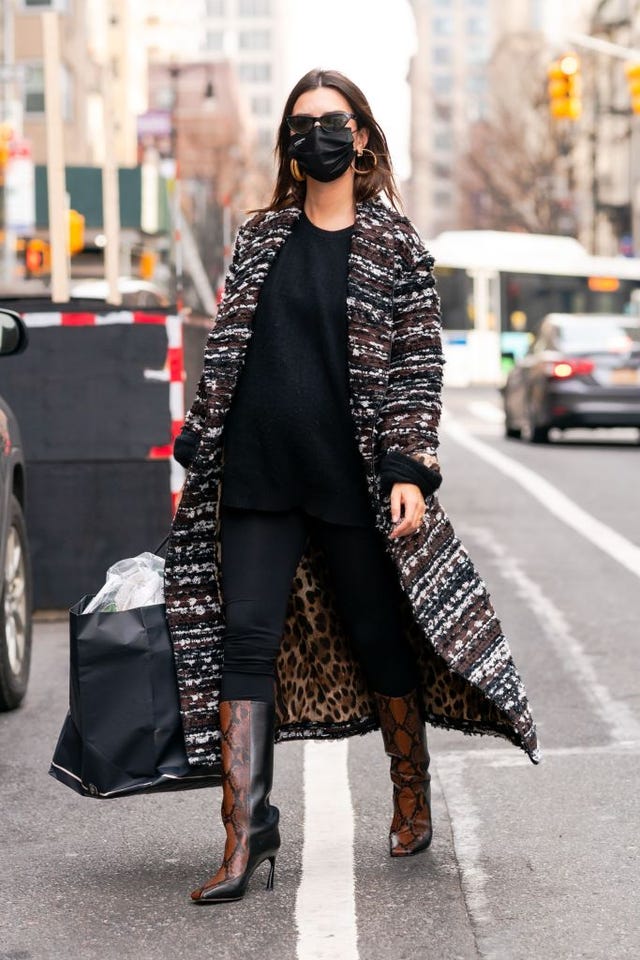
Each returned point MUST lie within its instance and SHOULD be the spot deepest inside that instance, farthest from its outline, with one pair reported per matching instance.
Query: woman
(314, 586)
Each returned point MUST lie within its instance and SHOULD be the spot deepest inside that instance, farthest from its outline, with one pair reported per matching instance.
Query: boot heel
(272, 870)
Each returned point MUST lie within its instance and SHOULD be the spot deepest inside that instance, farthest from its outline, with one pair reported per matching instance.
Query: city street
(527, 863)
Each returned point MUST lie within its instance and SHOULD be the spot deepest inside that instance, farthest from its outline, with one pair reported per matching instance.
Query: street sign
(154, 123)
(20, 188)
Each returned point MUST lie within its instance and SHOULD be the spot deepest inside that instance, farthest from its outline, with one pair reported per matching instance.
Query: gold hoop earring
(295, 171)
(363, 173)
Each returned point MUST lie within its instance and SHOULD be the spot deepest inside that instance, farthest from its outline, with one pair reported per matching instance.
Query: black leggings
(260, 553)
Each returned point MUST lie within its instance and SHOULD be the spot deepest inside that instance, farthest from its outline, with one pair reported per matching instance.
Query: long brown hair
(379, 179)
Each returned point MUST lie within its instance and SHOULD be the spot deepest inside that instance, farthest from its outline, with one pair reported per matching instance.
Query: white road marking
(602, 536)
(615, 715)
(325, 904)
(466, 826)
(485, 410)
(507, 757)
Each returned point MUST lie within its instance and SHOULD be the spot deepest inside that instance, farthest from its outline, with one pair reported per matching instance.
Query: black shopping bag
(123, 733)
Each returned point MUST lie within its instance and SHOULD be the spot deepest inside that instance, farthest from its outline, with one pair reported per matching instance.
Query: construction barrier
(99, 397)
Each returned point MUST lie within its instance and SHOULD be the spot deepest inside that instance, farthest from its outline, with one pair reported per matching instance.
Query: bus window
(536, 295)
(456, 296)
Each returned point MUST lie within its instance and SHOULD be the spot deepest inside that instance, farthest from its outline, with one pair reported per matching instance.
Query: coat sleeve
(195, 418)
(410, 412)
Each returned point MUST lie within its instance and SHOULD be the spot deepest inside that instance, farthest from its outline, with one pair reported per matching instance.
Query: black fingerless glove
(185, 446)
(399, 468)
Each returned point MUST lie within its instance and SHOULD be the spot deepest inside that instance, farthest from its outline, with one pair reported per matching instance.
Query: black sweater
(289, 439)
(289, 436)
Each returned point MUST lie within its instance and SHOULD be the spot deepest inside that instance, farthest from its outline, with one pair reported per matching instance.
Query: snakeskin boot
(251, 823)
(405, 741)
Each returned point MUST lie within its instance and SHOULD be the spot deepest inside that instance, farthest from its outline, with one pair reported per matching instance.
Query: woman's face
(321, 100)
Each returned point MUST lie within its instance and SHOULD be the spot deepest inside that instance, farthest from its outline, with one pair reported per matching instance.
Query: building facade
(451, 80)
(449, 91)
(610, 135)
(97, 47)
(248, 34)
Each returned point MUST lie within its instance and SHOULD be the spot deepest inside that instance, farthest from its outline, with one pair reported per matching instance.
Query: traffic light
(37, 257)
(632, 71)
(147, 264)
(76, 232)
(565, 88)
(6, 134)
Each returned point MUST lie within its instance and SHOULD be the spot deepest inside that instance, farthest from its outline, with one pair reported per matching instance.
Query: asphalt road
(527, 863)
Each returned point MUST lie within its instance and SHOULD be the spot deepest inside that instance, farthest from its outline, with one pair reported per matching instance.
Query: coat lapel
(369, 317)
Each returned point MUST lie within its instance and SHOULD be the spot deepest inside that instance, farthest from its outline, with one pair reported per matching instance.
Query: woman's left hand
(409, 496)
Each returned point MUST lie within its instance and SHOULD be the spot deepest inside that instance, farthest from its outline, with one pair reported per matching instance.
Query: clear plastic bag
(134, 582)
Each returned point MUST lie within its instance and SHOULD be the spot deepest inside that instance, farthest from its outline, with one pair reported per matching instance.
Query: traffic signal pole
(604, 46)
(632, 57)
(7, 255)
(110, 192)
(58, 222)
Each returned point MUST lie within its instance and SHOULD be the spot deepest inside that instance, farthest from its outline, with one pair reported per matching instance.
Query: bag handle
(162, 544)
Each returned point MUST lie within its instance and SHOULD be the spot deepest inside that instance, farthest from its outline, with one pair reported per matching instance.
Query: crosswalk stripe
(325, 904)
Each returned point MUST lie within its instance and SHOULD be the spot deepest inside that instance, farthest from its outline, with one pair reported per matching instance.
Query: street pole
(8, 52)
(176, 206)
(58, 223)
(630, 54)
(110, 193)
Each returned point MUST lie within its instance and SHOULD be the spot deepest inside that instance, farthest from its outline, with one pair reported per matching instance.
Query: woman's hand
(409, 496)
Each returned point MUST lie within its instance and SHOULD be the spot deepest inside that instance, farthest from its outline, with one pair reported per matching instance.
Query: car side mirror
(13, 333)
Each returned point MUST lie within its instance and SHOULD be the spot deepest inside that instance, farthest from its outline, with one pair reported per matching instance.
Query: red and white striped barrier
(173, 371)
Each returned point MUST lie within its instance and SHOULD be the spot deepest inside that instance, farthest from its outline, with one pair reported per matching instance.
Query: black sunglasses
(330, 122)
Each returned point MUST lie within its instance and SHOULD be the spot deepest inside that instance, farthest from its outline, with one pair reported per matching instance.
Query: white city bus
(496, 287)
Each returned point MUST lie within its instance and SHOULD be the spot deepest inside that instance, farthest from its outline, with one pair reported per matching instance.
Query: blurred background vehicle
(134, 292)
(497, 286)
(15, 581)
(581, 371)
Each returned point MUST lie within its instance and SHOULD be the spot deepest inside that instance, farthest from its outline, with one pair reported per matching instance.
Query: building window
(478, 52)
(254, 39)
(34, 88)
(45, 4)
(476, 26)
(442, 83)
(254, 72)
(443, 140)
(443, 26)
(442, 171)
(442, 198)
(254, 8)
(34, 98)
(265, 137)
(214, 40)
(443, 111)
(442, 55)
(215, 8)
(261, 106)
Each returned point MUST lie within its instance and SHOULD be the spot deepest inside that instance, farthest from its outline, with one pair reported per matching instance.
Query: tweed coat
(467, 677)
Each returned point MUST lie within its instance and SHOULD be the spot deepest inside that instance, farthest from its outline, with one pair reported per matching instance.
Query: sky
(371, 41)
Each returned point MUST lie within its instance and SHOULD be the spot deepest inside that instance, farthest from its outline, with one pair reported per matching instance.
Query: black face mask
(323, 156)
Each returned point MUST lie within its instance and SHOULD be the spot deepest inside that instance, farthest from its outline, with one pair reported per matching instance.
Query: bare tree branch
(514, 175)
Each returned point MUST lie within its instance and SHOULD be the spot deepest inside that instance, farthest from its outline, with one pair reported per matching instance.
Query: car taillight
(563, 369)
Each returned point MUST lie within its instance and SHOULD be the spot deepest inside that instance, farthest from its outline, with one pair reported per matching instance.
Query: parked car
(15, 575)
(582, 370)
(134, 292)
